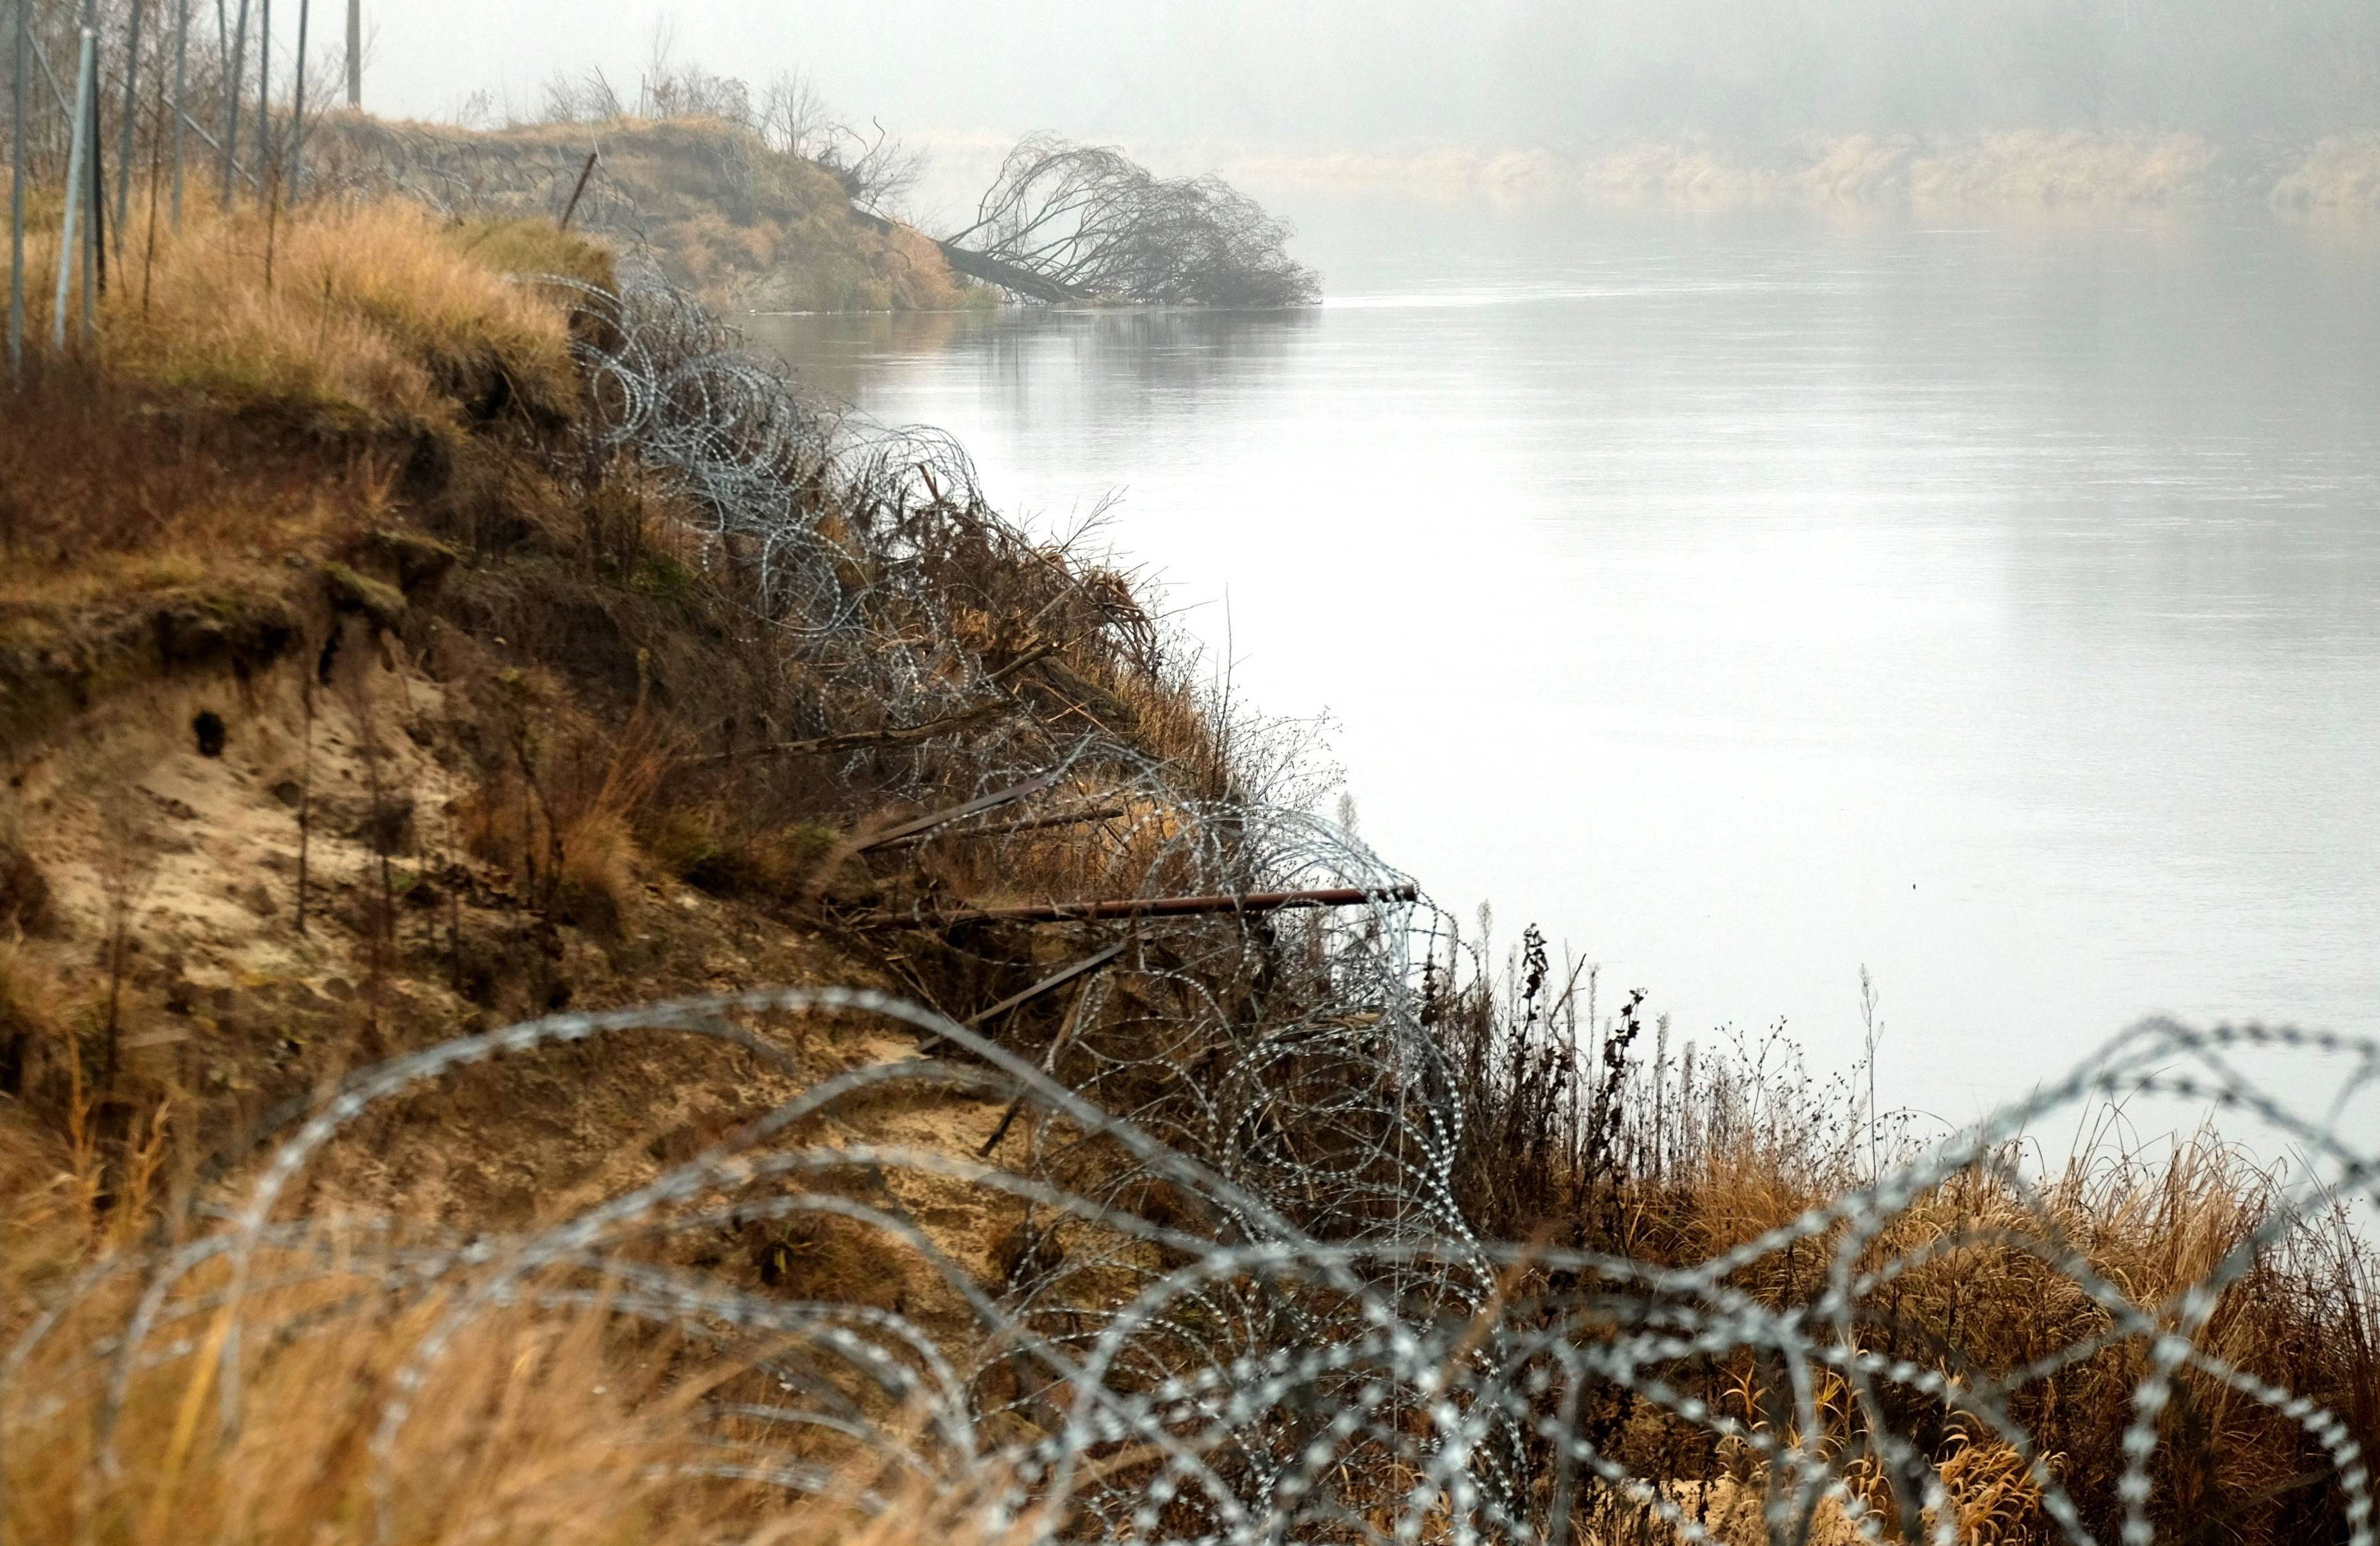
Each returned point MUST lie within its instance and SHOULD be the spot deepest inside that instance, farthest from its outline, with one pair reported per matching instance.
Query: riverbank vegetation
(1706, 101)
(423, 641)
(706, 200)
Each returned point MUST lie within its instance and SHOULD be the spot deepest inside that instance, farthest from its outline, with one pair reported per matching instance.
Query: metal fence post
(297, 109)
(267, 154)
(67, 246)
(94, 210)
(181, 96)
(18, 81)
(231, 104)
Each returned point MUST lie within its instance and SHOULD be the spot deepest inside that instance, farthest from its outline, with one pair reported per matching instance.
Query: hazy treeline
(1381, 74)
(1756, 69)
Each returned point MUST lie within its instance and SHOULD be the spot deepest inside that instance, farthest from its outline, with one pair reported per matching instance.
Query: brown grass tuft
(537, 1424)
(373, 314)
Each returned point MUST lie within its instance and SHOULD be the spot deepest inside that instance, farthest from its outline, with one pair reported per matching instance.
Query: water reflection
(1752, 595)
(1119, 354)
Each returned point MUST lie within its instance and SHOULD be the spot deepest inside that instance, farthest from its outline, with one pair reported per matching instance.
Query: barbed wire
(1245, 1302)
(1276, 1382)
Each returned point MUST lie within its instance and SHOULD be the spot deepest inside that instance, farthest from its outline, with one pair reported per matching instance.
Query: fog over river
(1749, 596)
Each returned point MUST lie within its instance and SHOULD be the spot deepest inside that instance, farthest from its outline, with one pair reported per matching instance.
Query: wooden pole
(584, 173)
(1058, 979)
(156, 171)
(69, 247)
(859, 741)
(1049, 1066)
(1058, 1045)
(356, 53)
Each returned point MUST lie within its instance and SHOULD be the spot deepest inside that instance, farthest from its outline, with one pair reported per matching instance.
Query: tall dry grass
(262, 377)
(1595, 1129)
(375, 314)
(538, 1428)
(553, 1419)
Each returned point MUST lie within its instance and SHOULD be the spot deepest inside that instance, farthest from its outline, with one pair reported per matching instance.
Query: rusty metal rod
(572, 207)
(914, 830)
(1144, 907)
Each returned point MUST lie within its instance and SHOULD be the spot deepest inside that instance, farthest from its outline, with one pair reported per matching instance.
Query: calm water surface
(1749, 597)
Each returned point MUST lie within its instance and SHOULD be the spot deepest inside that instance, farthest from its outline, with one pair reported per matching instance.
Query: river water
(1750, 596)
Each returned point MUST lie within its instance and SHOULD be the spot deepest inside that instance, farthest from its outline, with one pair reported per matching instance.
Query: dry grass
(743, 224)
(544, 1421)
(374, 315)
(217, 457)
(753, 228)
(44, 1226)
(1984, 1303)
(230, 416)
(1676, 1161)
(107, 491)
(537, 1426)
(561, 808)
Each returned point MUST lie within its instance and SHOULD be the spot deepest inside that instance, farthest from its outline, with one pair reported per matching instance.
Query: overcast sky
(1402, 73)
(1215, 67)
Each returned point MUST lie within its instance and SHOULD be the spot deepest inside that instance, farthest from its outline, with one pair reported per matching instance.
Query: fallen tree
(1064, 221)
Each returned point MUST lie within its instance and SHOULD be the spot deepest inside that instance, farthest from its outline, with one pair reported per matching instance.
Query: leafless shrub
(794, 115)
(586, 98)
(790, 115)
(878, 171)
(668, 87)
(690, 90)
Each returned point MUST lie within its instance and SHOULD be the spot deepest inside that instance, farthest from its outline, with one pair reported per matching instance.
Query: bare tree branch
(1088, 220)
